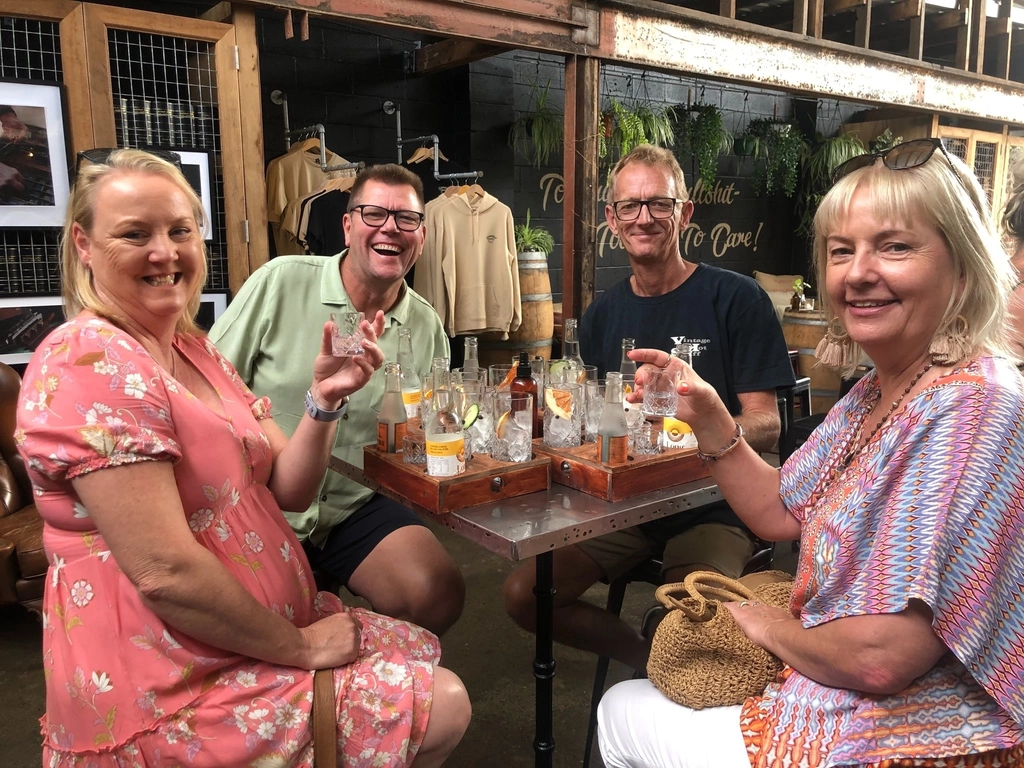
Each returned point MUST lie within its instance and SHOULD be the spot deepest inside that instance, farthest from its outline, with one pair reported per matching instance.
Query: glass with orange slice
(563, 414)
(513, 422)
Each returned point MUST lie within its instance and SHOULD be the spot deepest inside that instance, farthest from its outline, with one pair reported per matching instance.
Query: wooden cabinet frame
(84, 51)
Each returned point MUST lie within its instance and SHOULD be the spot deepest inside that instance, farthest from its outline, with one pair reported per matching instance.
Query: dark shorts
(354, 538)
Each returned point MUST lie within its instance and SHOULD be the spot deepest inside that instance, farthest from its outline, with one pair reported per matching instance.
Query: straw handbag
(700, 656)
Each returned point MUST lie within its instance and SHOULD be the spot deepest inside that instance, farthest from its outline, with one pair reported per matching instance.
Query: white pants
(638, 727)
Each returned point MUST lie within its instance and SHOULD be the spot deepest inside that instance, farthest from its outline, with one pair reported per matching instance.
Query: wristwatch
(322, 414)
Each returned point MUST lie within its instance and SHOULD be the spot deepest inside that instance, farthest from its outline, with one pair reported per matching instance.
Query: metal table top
(525, 526)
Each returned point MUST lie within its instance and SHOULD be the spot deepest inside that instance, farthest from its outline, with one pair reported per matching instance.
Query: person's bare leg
(450, 711)
(576, 622)
(409, 575)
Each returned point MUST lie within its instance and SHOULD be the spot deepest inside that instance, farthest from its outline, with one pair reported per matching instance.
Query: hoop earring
(835, 350)
(952, 344)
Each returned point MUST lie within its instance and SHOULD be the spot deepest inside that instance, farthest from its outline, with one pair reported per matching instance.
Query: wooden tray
(485, 480)
(581, 469)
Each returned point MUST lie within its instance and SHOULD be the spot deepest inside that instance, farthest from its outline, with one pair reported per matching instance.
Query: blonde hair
(953, 203)
(1012, 220)
(657, 157)
(77, 287)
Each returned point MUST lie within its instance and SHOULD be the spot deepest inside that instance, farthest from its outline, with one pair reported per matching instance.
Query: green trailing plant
(778, 147)
(626, 129)
(700, 131)
(537, 134)
(533, 239)
(885, 140)
(827, 154)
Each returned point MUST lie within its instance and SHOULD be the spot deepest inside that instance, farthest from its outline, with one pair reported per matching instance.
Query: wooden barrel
(803, 331)
(534, 333)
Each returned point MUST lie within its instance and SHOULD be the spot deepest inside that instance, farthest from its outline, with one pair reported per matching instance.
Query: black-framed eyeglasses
(909, 154)
(375, 216)
(657, 207)
(101, 156)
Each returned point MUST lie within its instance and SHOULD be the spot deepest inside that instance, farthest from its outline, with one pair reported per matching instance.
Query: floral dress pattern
(931, 510)
(122, 687)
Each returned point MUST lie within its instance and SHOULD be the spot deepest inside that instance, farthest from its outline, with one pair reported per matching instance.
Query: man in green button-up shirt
(271, 332)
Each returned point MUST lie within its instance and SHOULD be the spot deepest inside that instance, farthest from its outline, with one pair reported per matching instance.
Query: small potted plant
(537, 134)
(530, 239)
(800, 303)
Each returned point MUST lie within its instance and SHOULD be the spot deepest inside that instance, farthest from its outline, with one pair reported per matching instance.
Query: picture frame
(24, 322)
(195, 165)
(34, 183)
(211, 306)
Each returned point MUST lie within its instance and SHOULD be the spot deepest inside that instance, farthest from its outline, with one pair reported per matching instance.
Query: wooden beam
(899, 11)
(220, 12)
(1002, 39)
(727, 8)
(862, 32)
(448, 54)
(815, 18)
(570, 278)
(976, 56)
(578, 265)
(800, 15)
(835, 7)
(243, 18)
(54, 10)
(74, 57)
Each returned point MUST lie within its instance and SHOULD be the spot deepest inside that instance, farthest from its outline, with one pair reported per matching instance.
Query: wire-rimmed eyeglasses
(657, 207)
(909, 154)
(375, 216)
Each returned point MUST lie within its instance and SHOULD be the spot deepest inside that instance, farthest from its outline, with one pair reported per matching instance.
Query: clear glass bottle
(411, 393)
(471, 362)
(391, 420)
(627, 366)
(571, 343)
(445, 442)
(612, 431)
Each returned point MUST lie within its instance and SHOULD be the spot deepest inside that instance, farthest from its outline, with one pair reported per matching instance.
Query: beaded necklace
(858, 444)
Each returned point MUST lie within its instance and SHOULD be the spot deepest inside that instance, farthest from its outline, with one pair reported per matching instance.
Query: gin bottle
(627, 366)
(612, 431)
(391, 421)
(411, 393)
(571, 344)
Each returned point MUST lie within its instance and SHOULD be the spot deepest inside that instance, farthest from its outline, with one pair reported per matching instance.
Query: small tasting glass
(347, 339)
(414, 448)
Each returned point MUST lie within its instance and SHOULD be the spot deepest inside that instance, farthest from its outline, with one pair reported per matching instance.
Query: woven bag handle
(702, 585)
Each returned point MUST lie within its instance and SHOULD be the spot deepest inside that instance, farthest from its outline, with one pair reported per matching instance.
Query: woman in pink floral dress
(181, 623)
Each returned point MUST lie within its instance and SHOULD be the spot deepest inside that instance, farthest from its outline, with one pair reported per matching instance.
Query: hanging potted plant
(537, 134)
(626, 129)
(827, 154)
(531, 239)
(778, 149)
(700, 131)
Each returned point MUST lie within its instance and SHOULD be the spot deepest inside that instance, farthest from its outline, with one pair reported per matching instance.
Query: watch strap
(323, 414)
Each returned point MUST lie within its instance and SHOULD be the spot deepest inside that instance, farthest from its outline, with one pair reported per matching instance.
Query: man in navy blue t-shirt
(738, 347)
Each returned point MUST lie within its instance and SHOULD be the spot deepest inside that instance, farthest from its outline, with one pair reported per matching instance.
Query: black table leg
(544, 662)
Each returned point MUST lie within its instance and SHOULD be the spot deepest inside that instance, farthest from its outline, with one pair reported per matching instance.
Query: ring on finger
(745, 604)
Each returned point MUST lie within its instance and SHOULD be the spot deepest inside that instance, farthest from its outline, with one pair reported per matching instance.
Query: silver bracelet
(708, 457)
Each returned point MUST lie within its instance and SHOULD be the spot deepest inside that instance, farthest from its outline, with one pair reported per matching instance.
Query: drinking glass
(593, 392)
(414, 448)
(660, 397)
(499, 374)
(563, 415)
(634, 415)
(460, 376)
(347, 337)
(645, 439)
(512, 413)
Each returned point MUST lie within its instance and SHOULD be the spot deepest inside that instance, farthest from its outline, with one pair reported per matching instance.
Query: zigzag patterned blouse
(930, 509)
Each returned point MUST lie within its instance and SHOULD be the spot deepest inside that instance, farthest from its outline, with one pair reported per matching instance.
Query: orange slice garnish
(501, 424)
(559, 401)
(507, 381)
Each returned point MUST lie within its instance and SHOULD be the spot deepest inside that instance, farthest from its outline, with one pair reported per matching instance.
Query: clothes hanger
(306, 146)
(440, 154)
(452, 190)
(464, 189)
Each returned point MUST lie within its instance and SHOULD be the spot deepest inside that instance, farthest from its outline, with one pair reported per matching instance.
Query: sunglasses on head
(909, 154)
(101, 156)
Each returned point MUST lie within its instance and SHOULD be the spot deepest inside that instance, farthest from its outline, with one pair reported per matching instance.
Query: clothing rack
(391, 108)
(280, 97)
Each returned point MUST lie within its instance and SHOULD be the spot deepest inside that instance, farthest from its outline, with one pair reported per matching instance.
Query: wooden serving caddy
(485, 480)
(581, 469)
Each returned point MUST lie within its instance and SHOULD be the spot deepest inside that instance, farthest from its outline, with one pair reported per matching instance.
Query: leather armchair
(23, 562)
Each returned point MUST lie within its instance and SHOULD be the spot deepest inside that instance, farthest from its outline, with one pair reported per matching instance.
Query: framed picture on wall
(211, 306)
(24, 322)
(33, 155)
(196, 167)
